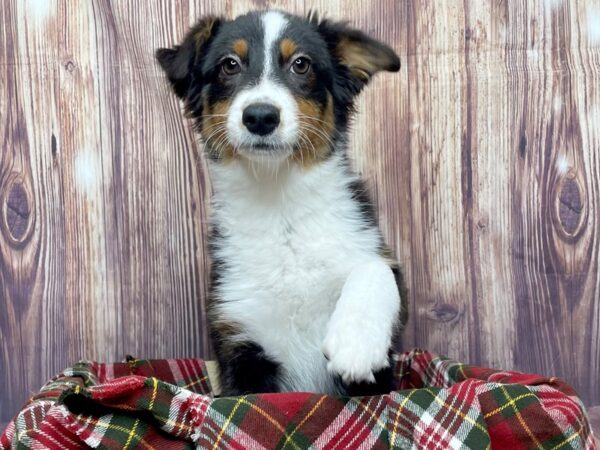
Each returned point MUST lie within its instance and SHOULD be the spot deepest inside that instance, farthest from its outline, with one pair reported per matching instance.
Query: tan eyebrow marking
(240, 47)
(288, 48)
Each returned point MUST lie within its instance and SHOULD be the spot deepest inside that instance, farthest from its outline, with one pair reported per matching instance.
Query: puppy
(305, 296)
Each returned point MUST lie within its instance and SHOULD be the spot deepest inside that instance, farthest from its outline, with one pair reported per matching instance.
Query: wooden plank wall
(483, 154)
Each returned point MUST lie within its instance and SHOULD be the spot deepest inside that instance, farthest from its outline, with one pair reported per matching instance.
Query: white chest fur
(289, 243)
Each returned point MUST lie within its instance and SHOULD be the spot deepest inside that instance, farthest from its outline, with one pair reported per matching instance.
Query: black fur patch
(248, 371)
(360, 194)
(384, 384)
(181, 62)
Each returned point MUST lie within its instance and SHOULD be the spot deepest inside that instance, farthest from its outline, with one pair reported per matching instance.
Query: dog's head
(272, 86)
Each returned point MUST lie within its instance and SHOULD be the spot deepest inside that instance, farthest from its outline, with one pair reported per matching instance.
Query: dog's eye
(300, 65)
(230, 66)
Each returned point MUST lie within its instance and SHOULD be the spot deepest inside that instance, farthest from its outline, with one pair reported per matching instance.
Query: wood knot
(53, 145)
(443, 312)
(70, 66)
(17, 216)
(483, 222)
(523, 146)
(570, 207)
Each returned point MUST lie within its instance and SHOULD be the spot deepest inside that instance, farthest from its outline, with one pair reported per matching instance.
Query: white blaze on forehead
(274, 23)
(267, 90)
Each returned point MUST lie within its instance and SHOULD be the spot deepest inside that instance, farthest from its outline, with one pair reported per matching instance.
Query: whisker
(215, 136)
(317, 130)
(218, 147)
(216, 126)
(215, 115)
(320, 134)
(316, 119)
(214, 132)
(217, 139)
(307, 139)
(308, 123)
(221, 144)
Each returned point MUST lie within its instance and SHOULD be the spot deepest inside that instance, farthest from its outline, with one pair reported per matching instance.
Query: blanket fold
(168, 404)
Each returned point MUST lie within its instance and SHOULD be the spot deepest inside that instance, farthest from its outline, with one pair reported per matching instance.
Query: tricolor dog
(305, 295)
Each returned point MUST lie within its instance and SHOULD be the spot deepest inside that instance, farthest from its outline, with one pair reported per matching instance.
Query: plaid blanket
(167, 404)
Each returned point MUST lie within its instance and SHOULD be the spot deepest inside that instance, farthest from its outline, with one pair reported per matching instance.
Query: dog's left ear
(360, 54)
(180, 61)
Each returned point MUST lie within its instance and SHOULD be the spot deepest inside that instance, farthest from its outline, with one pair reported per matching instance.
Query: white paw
(356, 350)
(359, 332)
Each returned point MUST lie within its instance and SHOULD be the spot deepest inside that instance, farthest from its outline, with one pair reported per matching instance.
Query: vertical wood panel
(440, 187)
(483, 154)
(27, 325)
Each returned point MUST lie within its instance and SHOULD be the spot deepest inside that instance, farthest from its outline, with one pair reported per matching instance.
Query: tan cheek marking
(316, 125)
(214, 130)
(240, 47)
(287, 48)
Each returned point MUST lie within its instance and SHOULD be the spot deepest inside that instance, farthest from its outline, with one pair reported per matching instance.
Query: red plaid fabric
(167, 404)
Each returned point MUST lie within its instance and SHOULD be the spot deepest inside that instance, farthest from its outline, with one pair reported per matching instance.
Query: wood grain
(483, 155)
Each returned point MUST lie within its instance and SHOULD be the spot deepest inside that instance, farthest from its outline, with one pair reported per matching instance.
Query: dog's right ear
(179, 62)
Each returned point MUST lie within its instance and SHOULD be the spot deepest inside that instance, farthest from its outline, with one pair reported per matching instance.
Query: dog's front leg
(359, 333)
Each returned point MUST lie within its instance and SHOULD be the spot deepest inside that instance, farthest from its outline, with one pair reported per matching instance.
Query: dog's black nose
(260, 118)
